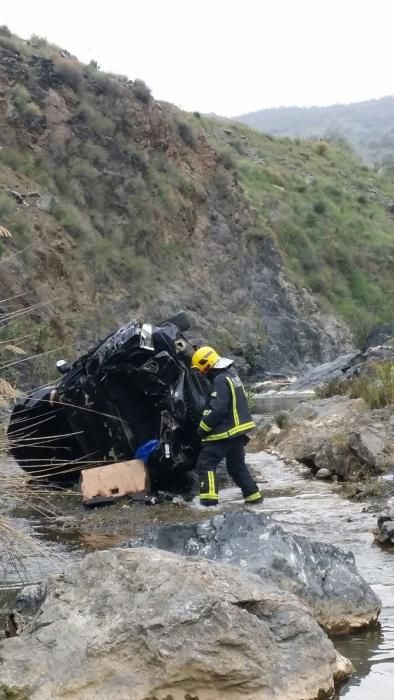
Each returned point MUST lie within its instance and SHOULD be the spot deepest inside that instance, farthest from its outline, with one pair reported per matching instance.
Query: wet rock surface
(146, 624)
(322, 575)
(385, 524)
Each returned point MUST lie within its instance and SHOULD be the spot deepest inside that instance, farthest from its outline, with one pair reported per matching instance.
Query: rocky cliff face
(124, 206)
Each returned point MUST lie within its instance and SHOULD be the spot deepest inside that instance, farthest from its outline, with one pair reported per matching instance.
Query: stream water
(308, 507)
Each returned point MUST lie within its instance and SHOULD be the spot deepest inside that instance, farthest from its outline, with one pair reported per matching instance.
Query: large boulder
(147, 624)
(323, 576)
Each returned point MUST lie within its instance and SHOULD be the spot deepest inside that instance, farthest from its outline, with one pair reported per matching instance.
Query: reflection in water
(304, 506)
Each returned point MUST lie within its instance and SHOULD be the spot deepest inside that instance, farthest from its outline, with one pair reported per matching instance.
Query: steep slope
(367, 126)
(123, 207)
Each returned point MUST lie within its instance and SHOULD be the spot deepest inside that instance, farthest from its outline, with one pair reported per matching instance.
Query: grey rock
(344, 367)
(305, 411)
(46, 202)
(142, 623)
(385, 524)
(339, 434)
(385, 533)
(324, 373)
(30, 598)
(324, 576)
(323, 473)
(369, 447)
(333, 456)
(380, 335)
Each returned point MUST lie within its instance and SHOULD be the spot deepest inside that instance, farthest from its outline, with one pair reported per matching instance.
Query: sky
(226, 56)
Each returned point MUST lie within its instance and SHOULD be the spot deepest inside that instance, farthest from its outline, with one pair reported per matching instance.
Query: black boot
(254, 498)
(208, 489)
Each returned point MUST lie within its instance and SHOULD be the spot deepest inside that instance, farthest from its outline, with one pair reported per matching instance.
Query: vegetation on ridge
(130, 181)
(332, 216)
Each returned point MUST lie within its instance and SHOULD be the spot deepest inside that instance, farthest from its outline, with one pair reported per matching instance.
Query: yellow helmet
(205, 358)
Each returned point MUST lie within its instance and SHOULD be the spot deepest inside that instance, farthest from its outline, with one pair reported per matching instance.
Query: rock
(380, 335)
(26, 605)
(273, 433)
(385, 529)
(144, 624)
(323, 473)
(323, 576)
(324, 373)
(333, 456)
(369, 447)
(339, 434)
(344, 367)
(46, 202)
(385, 533)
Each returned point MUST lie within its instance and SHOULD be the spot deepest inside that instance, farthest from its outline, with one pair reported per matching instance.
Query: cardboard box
(100, 485)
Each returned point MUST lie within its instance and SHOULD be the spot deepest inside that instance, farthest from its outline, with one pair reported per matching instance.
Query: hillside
(120, 206)
(367, 126)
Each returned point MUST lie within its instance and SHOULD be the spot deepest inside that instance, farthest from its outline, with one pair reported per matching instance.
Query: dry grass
(16, 546)
(375, 385)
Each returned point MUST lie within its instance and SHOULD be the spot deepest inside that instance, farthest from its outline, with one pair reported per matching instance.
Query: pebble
(323, 473)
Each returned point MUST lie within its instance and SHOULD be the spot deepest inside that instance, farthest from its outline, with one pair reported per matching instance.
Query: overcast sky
(226, 56)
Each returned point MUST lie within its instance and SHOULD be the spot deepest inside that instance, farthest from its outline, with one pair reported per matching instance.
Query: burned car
(134, 387)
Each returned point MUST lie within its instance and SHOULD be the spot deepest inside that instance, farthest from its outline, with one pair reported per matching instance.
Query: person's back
(228, 406)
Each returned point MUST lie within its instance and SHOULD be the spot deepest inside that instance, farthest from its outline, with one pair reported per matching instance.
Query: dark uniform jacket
(227, 414)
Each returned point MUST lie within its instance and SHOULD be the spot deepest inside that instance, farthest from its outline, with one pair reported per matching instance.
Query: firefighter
(223, 427)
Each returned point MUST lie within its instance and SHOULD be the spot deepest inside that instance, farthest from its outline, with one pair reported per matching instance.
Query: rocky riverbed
(297, 506)
(232, 602)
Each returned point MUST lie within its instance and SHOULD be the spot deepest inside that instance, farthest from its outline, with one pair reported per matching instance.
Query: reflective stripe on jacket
(227, 414)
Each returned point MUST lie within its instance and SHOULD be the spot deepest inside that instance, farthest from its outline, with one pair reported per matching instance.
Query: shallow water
(319, 510)
(307, 507)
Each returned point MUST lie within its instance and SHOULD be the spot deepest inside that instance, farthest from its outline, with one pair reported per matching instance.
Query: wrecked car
(133, 387)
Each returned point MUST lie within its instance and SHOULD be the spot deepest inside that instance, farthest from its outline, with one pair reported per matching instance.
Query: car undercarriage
(133, 387)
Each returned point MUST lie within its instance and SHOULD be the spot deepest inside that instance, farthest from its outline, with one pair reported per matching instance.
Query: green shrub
(142, 91)
(335, 387)
(281, 419)
(376, 386)
(95, 119)
(108, 84)
(226, 158)
(95, 153)
(12, 219)
(38, 42)
(21, 162)
(251, 398)
(321, 149)
(69, 71)
(83, 170)
(186, 133)
(319, 207)
(222, 180)
(7, 207)
(75, 223)
(4, 31)
(23, 101)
